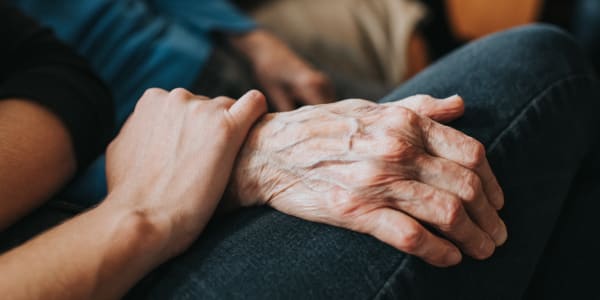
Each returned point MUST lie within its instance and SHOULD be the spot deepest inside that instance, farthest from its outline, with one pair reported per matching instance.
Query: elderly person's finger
(444, 211)
(449, 143)
(404, 233)
(466, 184)
(440, 110)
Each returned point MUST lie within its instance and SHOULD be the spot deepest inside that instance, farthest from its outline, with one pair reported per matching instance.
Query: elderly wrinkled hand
(381, 169)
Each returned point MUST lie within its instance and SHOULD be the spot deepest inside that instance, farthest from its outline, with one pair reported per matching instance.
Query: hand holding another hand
(380, 169)
(172, 160)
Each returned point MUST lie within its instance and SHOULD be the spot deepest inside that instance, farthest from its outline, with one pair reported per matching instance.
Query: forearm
(162, 195)
(97, 255)
(36, 157)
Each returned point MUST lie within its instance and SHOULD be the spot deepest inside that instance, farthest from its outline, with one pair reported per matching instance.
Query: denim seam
(534, 100)
(398, 270)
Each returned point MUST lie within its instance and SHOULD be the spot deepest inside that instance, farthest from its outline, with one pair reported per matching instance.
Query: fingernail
(500, 234)
(453, 257)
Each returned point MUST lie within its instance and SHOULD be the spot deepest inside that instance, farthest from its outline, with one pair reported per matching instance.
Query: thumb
(248, 109)
(440, 110)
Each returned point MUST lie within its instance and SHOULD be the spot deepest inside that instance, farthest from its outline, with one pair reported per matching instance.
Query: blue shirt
(134, 45)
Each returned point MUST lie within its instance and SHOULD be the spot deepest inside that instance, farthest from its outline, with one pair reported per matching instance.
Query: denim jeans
(532, 99)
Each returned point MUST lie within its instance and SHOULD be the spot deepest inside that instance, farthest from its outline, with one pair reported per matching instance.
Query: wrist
(251, 176)
(145, 230)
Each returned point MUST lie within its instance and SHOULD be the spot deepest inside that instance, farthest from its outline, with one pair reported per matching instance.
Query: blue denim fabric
(531, 98)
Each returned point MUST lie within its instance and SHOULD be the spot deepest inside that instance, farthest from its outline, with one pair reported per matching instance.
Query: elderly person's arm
(55, 115)
(384, 170)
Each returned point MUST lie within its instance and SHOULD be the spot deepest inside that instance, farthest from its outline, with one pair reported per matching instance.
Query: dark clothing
(586, 27)
(36, 66)
(532, 99)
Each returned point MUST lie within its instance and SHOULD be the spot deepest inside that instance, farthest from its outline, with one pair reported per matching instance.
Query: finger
(280, 99)
(249, 108)
(464, 183)
(490, 185)
(314, 89)
(445, 212)
(440, 110)
(405, 234)
(443, 141)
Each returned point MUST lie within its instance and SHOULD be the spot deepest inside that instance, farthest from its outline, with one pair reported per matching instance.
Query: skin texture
(377, 169)
(24, 178)
(157, 154)
(287, 79)
(161, 195)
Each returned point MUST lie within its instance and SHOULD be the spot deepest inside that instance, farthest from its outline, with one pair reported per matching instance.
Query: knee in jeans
(551, 45)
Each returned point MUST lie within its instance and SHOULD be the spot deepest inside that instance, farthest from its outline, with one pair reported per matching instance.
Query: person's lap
(530, 99)
(531, 105)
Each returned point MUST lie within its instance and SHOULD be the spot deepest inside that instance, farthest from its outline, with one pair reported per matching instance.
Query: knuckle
(470, 187)
(180, 93)
(452, 215)
(399, 117)
(475, 154)
(411, 238)
(153, 92)
(408, 117)
(399, 151)
(149, 97)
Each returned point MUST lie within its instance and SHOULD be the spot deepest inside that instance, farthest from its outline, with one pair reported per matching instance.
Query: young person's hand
(287, 79)
(172, 160)
(380, 169)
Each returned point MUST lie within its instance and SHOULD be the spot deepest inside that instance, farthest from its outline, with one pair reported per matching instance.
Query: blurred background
(381, 43)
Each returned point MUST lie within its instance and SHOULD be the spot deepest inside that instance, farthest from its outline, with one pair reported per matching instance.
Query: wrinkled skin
(380, 169)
